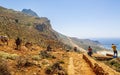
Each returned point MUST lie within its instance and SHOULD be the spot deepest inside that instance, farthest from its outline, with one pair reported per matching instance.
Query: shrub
(56, 68)
(45, 54)
(36, 57)
(114, 63)
(23, 62)
(61, 62)
(4, 68)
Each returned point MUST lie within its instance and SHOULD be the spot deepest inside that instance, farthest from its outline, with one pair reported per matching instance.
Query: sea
(107, 42)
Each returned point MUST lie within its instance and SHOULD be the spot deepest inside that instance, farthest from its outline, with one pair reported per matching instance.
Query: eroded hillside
(38, 61)
(29, 28)
(34, 58)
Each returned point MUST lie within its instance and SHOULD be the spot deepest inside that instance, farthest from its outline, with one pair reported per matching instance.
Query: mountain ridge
(39, 27)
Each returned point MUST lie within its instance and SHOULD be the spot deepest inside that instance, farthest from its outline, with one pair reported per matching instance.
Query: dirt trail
(78, 66)
(71, 67)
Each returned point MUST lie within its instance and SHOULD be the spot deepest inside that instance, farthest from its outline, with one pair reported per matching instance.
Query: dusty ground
(74, 64)
(78, 66)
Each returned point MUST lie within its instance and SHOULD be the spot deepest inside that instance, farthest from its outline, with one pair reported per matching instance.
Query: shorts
(115, 52)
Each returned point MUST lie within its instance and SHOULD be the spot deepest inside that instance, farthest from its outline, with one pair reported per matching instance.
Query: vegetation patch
(36, 57)
(115, 64)
(8, 56)
(23, 62)
(4, 68)
(45, 54)
(56, 68)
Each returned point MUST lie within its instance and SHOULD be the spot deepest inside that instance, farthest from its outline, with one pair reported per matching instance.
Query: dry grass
(4, 67)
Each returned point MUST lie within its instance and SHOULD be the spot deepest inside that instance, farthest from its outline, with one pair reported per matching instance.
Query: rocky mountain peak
(30, 12)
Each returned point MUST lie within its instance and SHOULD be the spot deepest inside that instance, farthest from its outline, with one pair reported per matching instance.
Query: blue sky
(76, 18)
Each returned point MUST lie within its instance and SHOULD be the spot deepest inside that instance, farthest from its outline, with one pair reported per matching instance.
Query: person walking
(89, 51)
(18, 42)
(75, 49)
(49, 48)
(114, 48)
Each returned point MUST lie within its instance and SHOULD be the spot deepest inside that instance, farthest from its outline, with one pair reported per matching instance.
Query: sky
(76, 18)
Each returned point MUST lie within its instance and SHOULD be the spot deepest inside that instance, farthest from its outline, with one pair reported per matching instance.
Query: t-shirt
(114, 47)
(90, 49)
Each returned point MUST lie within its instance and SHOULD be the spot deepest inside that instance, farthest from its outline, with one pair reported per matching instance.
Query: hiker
(49, 48)
(89, 51)
(75, 49)
(18, 42)
(114, 50)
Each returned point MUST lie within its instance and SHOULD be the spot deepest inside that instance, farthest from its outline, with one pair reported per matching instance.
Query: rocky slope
(71, 41)
(84, 43)
(37, 30)
(29, 28)
(34, 59)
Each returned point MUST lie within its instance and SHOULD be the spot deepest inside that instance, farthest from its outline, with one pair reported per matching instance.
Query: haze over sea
(106, 42)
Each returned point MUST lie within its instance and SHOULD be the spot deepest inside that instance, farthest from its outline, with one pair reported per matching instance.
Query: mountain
(30, 12)
(38, 30)
(85, 43)
(33, 29)
(34, 59)
(81, 44)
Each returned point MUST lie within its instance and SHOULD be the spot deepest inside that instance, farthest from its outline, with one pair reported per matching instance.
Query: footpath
(82, 64)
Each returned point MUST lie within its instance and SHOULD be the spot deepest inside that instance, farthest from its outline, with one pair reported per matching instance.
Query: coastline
(104, 52)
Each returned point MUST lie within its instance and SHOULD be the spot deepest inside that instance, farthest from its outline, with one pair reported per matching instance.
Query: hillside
(84, 43)
(37, 61)
(29, 28)
(34, 58)
(33, 29)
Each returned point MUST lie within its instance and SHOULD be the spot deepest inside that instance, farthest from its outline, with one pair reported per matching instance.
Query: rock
(12, 73)
(45, 62)
(26, 70)
(35, 62)
(34, 73)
